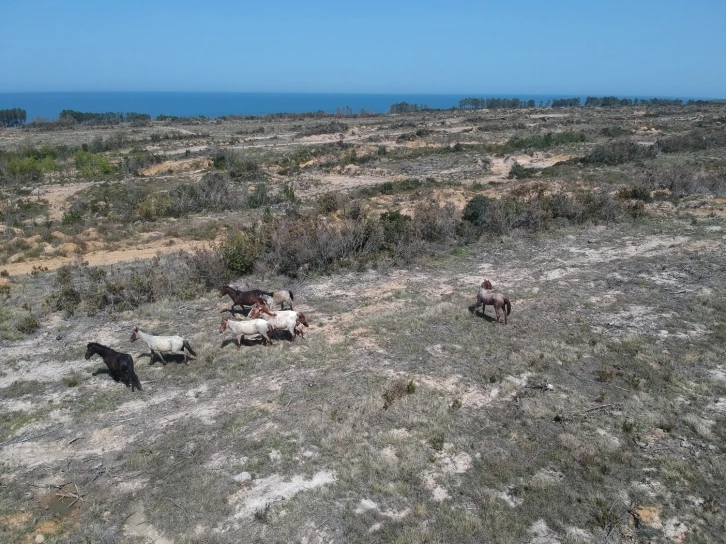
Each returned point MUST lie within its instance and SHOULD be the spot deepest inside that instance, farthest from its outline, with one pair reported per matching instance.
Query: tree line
(405, 107)
(12, 117)
(494, 103)
(108, 118)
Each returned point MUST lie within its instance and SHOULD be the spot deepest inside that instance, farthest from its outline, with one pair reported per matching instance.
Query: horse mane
(96, 345)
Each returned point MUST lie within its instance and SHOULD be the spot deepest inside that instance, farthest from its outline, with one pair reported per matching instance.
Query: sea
(48, 105)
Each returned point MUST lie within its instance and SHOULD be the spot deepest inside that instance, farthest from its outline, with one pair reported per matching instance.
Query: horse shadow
(244, 342)
(480, 313)
(114, 376)
(177, 358)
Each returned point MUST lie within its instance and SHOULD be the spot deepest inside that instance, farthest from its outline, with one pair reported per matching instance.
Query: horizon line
(364, 93)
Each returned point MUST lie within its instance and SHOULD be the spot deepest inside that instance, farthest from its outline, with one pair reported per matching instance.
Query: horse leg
(160, 356)
(496, 310)
(239, 341)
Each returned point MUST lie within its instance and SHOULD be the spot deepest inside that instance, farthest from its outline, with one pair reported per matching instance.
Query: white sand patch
(389, 454)
(274, 489)
(367, 505)
(675, 530)
(505, 496)
(138, 526)
(575, 535)
(546, 478)
(447, 464)
(33, 454)
(542, 534)
(654, 245)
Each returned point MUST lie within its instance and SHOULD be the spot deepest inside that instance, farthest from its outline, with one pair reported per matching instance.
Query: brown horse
(486, 298)
(244, 298)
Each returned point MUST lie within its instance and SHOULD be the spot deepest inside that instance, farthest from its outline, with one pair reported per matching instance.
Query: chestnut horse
(244, 298)
(486, 298)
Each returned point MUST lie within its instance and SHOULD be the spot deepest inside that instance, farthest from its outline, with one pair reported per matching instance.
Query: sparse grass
(472, 446)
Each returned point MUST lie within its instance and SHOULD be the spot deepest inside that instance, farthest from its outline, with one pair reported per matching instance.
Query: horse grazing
(119, 364)
(288, 320)
(253, 327)
(244, 298)
(176, 345)
(486, 298)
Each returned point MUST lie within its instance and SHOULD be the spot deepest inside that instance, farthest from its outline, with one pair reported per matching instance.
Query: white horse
(288, 320)
(176, 345)
(252, 327)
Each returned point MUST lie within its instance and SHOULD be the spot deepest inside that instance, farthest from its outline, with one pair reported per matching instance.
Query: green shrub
(241, 250)
(520, 172)
(618, 152)
(28, 324)
(89, 164)
(638, 192)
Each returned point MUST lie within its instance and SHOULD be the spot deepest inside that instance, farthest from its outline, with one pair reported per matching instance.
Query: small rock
(39, 538)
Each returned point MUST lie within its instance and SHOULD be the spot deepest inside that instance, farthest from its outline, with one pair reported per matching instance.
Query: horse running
(176, 345)
(119, 364)
(252, 327)
(486, 298)
(244, 298)
(288, 320)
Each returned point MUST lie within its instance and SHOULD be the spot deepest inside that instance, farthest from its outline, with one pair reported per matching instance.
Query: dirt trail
(57, 196)
(96, 258)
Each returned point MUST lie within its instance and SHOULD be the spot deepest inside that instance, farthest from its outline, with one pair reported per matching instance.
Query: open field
(596, 415)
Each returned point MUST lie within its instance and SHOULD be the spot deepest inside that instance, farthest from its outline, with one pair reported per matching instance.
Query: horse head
(135, 334)
(486, 284)
(223, 325)
(89, 350)
(301, 318)
(224, 290)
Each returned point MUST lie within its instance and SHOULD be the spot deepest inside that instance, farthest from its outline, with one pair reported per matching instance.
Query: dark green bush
(618, 152)
(520, 172)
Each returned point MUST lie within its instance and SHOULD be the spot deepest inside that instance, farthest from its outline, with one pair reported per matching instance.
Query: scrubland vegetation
(595, 415)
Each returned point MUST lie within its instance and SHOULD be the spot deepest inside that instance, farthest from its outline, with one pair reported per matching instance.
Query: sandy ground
(95, 258)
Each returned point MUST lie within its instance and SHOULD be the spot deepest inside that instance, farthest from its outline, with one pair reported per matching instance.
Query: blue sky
(635, 47)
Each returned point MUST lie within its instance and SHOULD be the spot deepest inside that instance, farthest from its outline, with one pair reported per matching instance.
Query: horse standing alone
(119, 364)
(486, 298)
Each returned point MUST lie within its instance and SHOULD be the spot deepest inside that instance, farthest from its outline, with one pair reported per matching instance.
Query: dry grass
(595, 415)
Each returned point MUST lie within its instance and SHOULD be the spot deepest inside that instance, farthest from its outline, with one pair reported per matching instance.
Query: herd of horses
(261, 323)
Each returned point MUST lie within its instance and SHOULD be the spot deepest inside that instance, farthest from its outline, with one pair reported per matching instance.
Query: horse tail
(507, 305)
(291, 296)
(189, 348)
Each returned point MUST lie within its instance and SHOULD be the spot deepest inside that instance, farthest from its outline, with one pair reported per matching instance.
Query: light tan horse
(485, 297)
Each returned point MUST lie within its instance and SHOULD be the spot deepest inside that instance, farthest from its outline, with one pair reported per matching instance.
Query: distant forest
(109, 118)
(12, 117)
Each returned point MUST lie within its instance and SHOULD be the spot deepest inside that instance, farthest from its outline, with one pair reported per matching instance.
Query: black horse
(120, 365)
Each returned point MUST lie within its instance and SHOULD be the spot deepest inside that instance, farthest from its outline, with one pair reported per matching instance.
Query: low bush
(617, 152)
(331, 127)
(520, 172)
(637, 192)
(694, 140)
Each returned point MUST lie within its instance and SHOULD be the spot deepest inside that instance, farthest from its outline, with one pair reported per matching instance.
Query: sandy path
(95, 258)
(57, 196)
